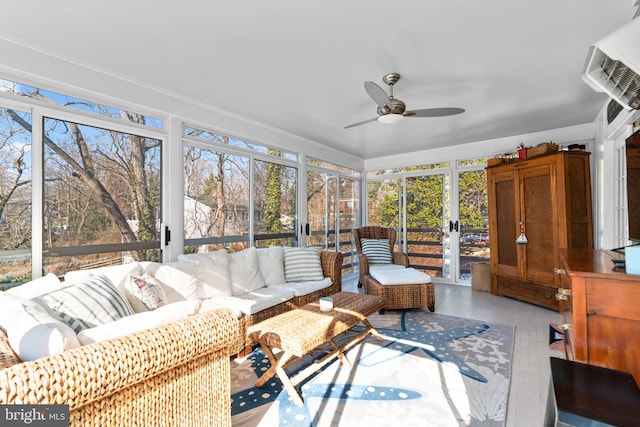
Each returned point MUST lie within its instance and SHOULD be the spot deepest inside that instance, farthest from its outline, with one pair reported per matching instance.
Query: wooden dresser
(549, 198)
(601, 308)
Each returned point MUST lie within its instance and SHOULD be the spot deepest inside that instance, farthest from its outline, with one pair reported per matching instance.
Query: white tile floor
(530, 370)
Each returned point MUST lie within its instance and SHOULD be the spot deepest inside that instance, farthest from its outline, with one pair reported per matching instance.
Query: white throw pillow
(302, 264)
(36, 287)
(377, 251)
(140, 321)
(271, 263)
(244, 271)
(147, 291)
(87, 304)
(178, 279)
(32, 332)
(117, 275)
(213, 273)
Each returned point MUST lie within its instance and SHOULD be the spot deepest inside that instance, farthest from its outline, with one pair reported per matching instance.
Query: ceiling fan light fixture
(389, 119)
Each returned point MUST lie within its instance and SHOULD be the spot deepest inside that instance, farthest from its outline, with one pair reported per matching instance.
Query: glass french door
(428, 242)
(441, 219)
(473, 221)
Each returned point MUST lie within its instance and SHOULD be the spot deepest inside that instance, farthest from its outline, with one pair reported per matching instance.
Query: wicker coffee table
(302, 330)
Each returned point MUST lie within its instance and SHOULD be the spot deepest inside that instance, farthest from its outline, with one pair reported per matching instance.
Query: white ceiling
(299, 67)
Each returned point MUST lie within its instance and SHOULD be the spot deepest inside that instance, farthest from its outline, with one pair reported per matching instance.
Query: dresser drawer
(527, 291)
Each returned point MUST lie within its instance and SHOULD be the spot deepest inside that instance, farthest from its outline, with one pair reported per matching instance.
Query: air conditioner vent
(613, 65)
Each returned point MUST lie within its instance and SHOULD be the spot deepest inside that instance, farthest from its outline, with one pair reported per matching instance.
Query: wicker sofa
(176, 374)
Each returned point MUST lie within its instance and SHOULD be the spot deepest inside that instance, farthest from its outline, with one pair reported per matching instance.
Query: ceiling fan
(392, 110)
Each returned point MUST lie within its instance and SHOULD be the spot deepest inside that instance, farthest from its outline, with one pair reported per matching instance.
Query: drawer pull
(548, 296)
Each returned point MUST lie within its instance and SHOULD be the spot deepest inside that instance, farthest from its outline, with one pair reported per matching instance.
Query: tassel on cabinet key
(522, 239)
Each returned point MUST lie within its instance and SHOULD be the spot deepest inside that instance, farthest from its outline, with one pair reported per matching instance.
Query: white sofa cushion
(147, 291)
(261, 299)
(117, 275)
(302, 264)
(229, 303)
(213, 273)
(271, 264)
(178, 279)
(244, 271)
(36, 287)
(87, 304)
(33, 332)
(139, 321)
(304, 288)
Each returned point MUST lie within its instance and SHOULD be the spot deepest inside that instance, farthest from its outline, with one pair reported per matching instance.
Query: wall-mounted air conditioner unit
(613, 65)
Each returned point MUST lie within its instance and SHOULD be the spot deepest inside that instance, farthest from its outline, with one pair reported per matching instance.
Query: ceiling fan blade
(434, 112)
(361, 123)
(378, 94)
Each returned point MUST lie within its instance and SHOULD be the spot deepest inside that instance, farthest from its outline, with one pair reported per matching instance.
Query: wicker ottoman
(402, 296)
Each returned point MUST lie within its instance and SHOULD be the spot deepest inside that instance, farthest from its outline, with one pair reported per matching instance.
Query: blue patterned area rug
(430, 369)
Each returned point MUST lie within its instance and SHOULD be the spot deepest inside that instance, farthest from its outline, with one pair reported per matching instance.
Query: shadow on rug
(430, 369)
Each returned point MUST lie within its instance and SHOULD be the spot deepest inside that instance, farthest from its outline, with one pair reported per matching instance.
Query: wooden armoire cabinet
(548, 198)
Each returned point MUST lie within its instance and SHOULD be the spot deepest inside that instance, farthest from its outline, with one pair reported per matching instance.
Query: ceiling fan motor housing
(397, 107)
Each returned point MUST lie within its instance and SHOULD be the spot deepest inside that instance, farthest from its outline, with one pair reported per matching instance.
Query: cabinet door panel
(538, 201)
(503, 230)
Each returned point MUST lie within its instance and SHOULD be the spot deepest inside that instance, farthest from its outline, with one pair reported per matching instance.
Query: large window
(333, 209)
(216, 202)
(81, 187)
(15, 196)
(237, 193)
(101, 197)
(275, 201)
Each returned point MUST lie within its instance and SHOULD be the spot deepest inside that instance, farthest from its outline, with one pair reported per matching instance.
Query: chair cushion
(271, 263)
(33, 332)
(377, 251)
(244, 271)
(87, 304)
(302, 264)
(147, 291)
(404, 276)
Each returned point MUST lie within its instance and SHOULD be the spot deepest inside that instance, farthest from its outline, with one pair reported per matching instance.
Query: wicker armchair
(377, 232)
(173, 375)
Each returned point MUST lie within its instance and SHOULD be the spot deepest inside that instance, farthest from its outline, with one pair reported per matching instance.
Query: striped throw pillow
(302, 264)
(87, 304)
(377, 251)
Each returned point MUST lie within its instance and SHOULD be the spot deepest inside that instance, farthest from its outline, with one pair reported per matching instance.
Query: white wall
(607, 138)
(583, 134)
